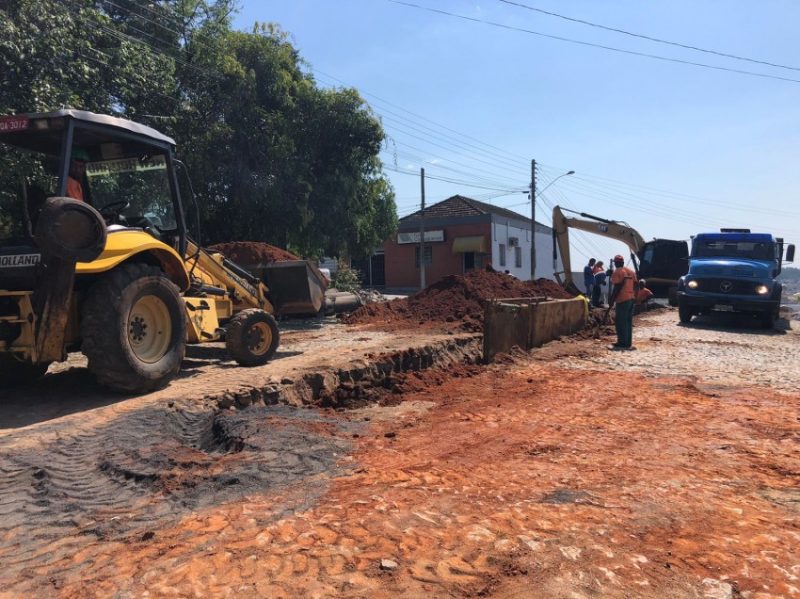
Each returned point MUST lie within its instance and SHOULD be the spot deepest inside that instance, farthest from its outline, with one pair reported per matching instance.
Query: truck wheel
(672, 296)
(16, 372)
(685, 314)
(768, 320)
(252, 337)
(134, 329)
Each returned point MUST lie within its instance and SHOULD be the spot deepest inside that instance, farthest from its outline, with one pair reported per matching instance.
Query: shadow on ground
(736, 323)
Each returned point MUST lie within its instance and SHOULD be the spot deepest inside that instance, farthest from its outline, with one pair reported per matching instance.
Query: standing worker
(599, 283)
(588, 277)
(623, 296)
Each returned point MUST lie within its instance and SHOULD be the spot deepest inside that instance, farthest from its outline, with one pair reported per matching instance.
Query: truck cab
(734, 270)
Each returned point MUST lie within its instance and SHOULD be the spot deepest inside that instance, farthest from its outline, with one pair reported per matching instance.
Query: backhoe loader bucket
(296, 287)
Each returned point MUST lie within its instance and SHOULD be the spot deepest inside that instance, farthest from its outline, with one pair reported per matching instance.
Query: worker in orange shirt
(622, 297)
(77, 173)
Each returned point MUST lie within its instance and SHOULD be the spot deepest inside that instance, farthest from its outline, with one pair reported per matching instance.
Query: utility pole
(422, 230)
(533, 220)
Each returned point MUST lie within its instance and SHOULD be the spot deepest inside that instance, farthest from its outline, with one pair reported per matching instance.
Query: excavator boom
(591, 224)
(661, 261)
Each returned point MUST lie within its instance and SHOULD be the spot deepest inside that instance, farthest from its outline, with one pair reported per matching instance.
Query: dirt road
(571, 473)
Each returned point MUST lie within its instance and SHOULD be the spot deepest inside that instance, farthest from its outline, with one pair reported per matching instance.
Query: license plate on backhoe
(723, 308)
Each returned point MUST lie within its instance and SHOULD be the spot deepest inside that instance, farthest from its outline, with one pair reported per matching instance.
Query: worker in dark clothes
(599, 283)
(623, 296)
(588, 277)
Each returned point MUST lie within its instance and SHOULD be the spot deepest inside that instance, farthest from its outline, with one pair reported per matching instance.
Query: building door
(378, 270)
(469, 261)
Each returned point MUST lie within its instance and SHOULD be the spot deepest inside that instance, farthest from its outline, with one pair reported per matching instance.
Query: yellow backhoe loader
(661, 261)
(95, 256)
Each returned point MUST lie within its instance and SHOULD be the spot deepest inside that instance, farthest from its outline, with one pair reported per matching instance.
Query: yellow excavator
(95, 256)
(660, 261)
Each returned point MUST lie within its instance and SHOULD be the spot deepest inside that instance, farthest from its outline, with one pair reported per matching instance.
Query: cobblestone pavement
(574, 473)
(714, 349)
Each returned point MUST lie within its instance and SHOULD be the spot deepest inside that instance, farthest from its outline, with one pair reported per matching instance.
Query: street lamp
(540, 192)
(534, 195)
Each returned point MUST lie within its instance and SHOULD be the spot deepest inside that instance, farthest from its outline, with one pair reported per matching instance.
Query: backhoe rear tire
(134, 329)
(14, 372)
(252, 337)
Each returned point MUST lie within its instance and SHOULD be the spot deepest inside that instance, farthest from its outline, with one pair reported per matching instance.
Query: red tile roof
(459, 206)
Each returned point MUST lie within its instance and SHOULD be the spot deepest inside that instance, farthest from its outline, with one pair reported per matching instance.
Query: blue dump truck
(734, 271)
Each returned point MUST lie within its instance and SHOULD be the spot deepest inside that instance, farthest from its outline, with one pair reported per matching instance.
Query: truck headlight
(762, 289)
(693, 284)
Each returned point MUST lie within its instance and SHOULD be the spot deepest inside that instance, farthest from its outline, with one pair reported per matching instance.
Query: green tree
(273, 157)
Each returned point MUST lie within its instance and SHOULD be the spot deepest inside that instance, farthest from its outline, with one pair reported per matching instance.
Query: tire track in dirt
(127, 479)
(531, 480)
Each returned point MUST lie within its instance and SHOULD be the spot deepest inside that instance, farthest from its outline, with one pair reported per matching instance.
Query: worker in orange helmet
(623, 296)
(77, 172)
(643, 294)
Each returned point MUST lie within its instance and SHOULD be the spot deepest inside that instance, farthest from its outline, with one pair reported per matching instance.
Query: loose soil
(252, 253)
(571, 472)
(456, 301)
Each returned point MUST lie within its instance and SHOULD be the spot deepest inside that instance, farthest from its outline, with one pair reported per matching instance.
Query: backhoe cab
(94, 255)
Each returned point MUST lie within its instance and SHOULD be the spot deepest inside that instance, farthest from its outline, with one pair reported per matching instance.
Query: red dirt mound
(252, 253)
(455, 299)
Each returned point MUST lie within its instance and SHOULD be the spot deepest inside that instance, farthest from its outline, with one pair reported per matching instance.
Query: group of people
(622, 297)
(594, 279)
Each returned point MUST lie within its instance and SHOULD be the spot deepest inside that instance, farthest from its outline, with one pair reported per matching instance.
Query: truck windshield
(139, 187)
(721, 248)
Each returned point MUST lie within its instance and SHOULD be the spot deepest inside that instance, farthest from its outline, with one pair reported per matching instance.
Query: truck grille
(727, 286)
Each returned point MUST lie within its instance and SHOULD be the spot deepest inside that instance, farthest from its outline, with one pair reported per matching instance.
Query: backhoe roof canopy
(42, 132)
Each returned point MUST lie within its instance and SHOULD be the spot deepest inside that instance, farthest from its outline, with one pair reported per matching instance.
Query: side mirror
(790, 253)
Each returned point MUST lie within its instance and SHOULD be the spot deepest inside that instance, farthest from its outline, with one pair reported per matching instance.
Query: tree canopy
(272, 156)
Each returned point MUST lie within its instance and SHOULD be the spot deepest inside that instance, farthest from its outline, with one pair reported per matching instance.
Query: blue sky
(672, 149)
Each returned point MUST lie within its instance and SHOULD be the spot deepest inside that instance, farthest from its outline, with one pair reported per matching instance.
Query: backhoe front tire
(134, 329)
(252, 337)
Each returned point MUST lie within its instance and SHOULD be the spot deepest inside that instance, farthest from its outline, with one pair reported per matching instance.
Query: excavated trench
(364, 381)
(123, 479)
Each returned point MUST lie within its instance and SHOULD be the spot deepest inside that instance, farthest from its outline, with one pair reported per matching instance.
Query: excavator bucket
(296, 287)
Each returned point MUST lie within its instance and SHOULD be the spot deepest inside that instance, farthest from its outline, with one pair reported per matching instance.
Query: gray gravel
(714, 349)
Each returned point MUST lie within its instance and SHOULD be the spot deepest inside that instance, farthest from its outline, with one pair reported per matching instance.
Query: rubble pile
(252, 253)
(455, 299)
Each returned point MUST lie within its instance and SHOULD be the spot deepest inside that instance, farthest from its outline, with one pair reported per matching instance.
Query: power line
(419, 116)
(649, 38)
(433, 163)
(447, 180)
(593, 45)
(494, 155)
(505, 165)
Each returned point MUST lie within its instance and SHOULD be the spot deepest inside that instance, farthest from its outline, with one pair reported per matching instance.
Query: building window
(518, 257)
(502, 254)
(428, 256)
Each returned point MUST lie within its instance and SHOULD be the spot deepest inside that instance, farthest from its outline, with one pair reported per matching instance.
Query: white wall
(502, 231)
